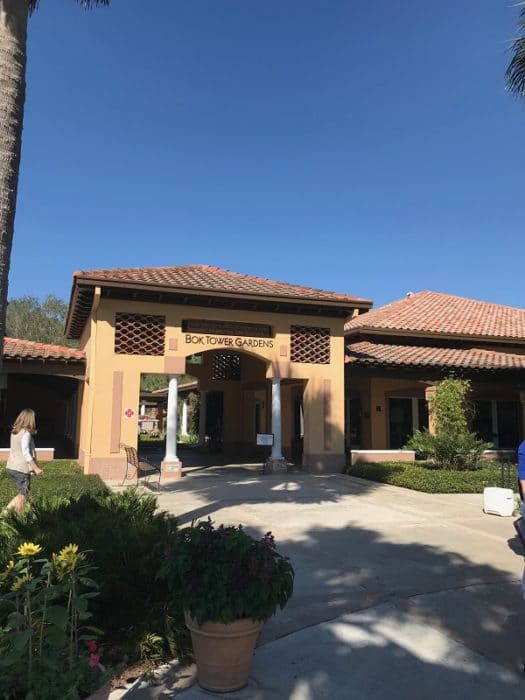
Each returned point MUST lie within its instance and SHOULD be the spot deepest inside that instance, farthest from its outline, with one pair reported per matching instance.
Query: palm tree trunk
(13, 39)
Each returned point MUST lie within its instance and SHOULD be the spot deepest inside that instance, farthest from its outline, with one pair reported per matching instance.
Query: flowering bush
(222, 574)
(129, 607)
(46, 649)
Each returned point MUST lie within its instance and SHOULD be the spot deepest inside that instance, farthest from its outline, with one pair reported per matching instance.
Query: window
(353, 429)
(406, 415)
(497, 422)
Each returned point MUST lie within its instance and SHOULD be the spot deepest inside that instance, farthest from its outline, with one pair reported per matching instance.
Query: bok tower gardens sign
(268, 358)
(219, 334)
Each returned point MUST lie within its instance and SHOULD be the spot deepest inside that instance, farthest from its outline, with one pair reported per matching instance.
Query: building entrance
(214, 420)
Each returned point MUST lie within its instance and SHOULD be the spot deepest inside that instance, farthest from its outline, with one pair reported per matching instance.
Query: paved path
(398, 594)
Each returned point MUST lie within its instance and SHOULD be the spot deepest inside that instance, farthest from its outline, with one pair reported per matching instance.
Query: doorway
(215, 420)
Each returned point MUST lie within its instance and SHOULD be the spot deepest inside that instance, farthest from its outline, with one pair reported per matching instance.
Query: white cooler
(498, 501)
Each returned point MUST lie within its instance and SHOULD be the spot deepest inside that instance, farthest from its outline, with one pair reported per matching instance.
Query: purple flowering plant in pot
(228, 583)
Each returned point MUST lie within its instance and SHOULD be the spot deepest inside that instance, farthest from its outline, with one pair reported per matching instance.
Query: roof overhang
(82, 295)
(430, 335)
(371, 355)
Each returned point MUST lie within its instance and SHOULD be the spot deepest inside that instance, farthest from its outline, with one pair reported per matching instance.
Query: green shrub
(453, 451)
(129, 540)
(62, 479)
(148, 443)
(189, 440)
(452, 446)
(430, 479)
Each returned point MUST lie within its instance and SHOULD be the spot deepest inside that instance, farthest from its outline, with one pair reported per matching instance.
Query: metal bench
(142, 468)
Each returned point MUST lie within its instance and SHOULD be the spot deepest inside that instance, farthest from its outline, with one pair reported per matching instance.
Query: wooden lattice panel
(310, 345)
(139, 334)
(226, 365)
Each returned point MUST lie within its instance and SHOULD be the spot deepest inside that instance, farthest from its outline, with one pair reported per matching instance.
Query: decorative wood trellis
(139, 334)
(226, 365)
(310, 345)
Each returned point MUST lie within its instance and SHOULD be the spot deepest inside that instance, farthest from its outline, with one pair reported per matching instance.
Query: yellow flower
(68, 552)
(10, 566)
(29, 549)
(67, 559)
(7, 571)
(20, 581)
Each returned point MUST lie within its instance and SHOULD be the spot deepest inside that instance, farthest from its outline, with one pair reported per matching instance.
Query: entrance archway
(235, 400)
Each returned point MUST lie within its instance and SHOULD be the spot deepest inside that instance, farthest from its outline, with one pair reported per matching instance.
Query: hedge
(425, 477)
(62, 477)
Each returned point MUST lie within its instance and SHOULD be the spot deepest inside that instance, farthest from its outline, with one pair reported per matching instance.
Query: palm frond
(33, 4)
(515, 73)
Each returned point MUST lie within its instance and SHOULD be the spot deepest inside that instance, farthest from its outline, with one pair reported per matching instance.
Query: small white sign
(265, 439)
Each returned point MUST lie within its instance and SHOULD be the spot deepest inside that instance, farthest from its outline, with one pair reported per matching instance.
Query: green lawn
(425, 477)
(62, 477)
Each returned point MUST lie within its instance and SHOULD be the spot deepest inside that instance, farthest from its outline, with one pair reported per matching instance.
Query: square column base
(324, 463)
(170, 469)
(271, 466)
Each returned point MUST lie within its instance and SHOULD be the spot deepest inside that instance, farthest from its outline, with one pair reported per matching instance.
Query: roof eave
(400, 333)
(351, 302)
(426, 366)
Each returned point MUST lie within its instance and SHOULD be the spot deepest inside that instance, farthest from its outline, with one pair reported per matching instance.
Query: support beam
(171, 466)
(276, 461)
(429, 394)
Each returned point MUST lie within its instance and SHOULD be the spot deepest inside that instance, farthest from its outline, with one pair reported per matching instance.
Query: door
(298, 430)
(354, 423)
(214, 419)
(400, 419)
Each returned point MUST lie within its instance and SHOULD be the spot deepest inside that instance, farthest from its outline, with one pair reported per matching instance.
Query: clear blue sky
(361, 147)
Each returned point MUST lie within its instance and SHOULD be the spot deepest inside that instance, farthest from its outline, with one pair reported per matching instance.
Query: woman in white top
(22, 457)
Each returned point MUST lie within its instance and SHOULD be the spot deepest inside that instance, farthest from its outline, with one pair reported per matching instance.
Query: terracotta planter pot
(223, 652)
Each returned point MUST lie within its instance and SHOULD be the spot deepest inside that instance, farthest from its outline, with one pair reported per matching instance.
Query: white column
(142, 410)
(202, 418)
(277, 454)
(171, 421)
(184, 418)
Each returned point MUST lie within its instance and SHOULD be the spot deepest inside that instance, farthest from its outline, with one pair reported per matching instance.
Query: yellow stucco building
(317, 374)
(397, 354)
(268, 357)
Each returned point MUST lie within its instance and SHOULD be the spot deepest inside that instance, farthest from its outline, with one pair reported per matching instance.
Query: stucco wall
(113, 381)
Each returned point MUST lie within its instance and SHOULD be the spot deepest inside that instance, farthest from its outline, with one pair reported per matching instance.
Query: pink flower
(94, 660)
(92, 646)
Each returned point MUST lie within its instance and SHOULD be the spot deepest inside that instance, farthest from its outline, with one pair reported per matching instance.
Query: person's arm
(28, 454)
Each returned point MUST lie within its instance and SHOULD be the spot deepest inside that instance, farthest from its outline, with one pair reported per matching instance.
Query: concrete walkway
(398, 594)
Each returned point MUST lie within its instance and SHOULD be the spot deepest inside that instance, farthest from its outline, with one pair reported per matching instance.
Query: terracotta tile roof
(434, 313)
(206, 277)
(16, 349)
(367, 353)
